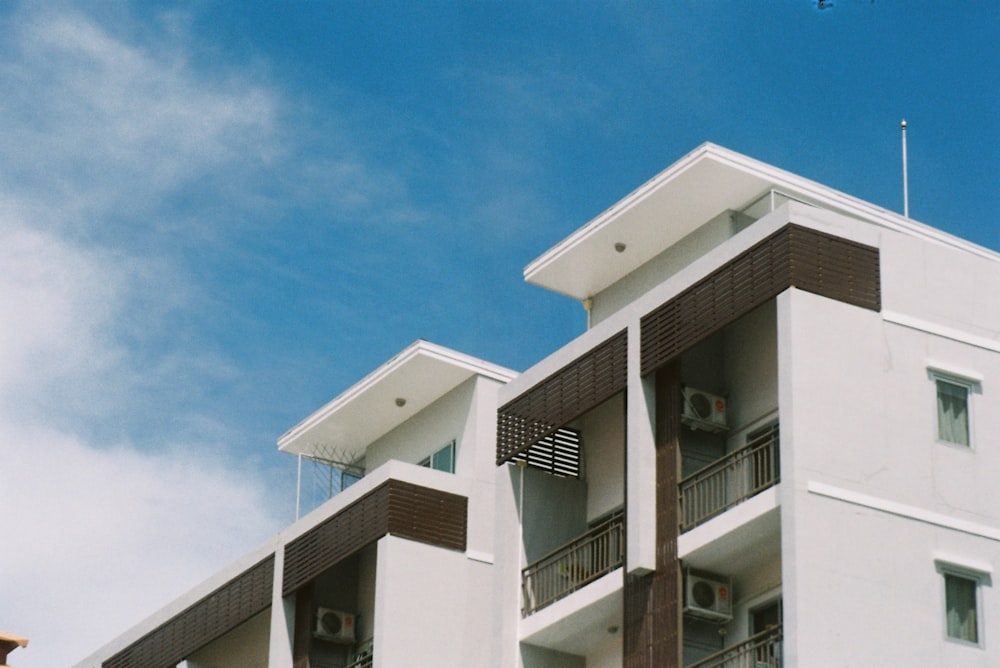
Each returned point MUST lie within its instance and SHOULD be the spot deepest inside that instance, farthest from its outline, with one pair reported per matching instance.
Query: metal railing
(362, 662)
(563, 571)
(762, 650)
(730, 480)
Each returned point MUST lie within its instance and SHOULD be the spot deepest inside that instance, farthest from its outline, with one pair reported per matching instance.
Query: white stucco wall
(603, 430)
(433, 607)
(367, 567)
(428, 431)
(608, 654)
(751, 370)
(870, 498)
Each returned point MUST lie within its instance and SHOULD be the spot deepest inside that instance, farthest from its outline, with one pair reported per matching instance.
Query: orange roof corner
(8, 643)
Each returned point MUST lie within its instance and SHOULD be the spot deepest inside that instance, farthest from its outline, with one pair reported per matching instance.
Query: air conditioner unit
(334, 625)
(708, 597)
(702, 410)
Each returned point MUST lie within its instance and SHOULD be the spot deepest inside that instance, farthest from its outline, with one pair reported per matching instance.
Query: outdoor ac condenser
(703, 410)
(708, 597)
(334, 625)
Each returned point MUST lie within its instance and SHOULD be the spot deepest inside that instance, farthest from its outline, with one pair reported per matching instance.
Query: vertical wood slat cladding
(566, 394)
(395, 507)
(652, 606)
(302, 633)
(794, 256)
(208, 619)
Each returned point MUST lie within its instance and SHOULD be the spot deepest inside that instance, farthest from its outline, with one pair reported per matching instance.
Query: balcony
(730, 480)
(762, 650)
(574, 565)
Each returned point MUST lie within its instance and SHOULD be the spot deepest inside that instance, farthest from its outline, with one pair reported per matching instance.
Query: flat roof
(421, 374)
(704, 183)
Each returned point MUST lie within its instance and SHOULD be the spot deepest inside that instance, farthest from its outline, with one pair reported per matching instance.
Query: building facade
(776, 444)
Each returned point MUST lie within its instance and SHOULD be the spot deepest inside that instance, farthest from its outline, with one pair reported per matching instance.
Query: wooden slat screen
(566, 394)
(395, 507)
(794, 256)
(208, 619)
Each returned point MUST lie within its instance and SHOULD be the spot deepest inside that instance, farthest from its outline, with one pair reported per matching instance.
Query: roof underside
(651, 219)
(420, 375)
(674, 203)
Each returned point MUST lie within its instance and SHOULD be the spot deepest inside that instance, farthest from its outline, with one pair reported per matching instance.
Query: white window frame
(981, 579)
(972, 384)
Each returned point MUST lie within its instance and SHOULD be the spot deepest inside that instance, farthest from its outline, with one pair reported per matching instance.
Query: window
(960, 607)
(442, 460)
(963, 600)
(953, 411)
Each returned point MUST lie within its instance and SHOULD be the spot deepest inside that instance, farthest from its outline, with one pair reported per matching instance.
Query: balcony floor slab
(754, 522)
(580, 622)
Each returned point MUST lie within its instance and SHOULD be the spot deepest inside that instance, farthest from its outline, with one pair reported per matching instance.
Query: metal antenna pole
(906, 191)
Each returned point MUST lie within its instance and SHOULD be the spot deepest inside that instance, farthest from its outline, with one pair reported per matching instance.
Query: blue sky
(214, 217)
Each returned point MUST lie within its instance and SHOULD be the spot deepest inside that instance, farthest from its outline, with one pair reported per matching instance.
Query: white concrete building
(777, 443)
(394, 570)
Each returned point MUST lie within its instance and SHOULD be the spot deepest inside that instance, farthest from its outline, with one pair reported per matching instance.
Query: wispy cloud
(102, 124)
(101, 135)
(98, 538)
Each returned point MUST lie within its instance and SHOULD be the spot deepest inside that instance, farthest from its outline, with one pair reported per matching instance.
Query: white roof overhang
(418, 376)
(678, 200)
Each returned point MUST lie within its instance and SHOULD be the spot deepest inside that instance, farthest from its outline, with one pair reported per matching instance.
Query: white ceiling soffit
(678, 200)
(421, 374)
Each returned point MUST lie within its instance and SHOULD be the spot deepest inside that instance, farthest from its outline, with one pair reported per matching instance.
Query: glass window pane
(960, 608)
(953, 412)
(444, 459)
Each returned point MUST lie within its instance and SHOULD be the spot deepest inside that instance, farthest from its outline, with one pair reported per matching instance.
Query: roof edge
(821, 194)
(420, 347)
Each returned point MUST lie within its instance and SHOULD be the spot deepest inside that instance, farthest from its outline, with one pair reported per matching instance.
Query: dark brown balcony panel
(395, 507)
(794, 256)
(208, 619)
(568, 393)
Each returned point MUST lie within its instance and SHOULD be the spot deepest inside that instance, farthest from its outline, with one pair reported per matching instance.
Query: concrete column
(282, 617)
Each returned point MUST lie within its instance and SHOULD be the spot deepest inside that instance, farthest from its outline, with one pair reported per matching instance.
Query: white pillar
(282, 617)
(640, 464)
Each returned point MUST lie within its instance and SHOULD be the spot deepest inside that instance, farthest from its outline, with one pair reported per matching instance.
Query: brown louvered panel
(834, 267)
(340, 536)
(395, 507)
(208, 619)
(793, 256)
(438, 518)
(566, 394)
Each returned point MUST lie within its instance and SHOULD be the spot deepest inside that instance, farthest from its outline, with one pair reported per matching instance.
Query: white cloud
(57, 298)
(101, 124)
(98, 538)
(100, 134)
(97, 534)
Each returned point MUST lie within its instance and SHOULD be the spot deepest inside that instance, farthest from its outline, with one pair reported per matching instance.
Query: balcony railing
(762, 650)
(560, 573)
(730, 480)
(365, 661)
